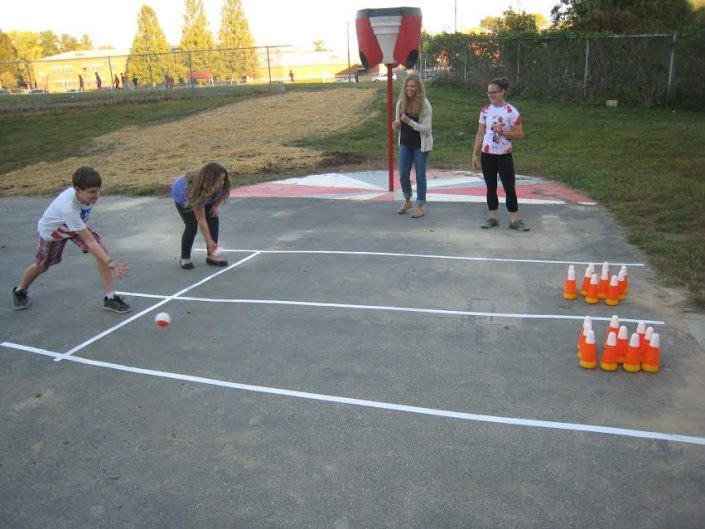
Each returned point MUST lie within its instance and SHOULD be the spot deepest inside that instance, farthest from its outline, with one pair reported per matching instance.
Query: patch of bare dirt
(248, 137)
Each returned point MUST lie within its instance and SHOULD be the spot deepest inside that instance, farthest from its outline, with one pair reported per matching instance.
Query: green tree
(68, 43)
(622, 16)
(149, 57)
(9, 68)
(698, 13)
(541, 21)
(8, 53)
(86, 43)
(27, 44)
(29, 48)
(513, 22)
(49, 43)
(235, 33)
(196, 36)
(490, 23)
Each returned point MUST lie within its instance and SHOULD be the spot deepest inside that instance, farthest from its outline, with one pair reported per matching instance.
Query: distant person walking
(116, 82)
(500, 124)
(414, 117)
(291, 76)
(81, 84)
(98, 82)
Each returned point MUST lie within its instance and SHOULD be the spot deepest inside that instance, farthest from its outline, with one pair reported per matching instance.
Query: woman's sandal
(418, 213)
(186, 266)
(406, 206)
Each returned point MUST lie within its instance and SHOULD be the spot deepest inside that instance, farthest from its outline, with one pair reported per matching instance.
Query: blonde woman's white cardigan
(423, 126)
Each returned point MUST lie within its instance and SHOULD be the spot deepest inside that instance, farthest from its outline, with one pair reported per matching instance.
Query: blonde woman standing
(413, 121)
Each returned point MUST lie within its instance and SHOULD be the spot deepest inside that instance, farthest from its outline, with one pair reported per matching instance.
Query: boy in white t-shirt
(65, 220)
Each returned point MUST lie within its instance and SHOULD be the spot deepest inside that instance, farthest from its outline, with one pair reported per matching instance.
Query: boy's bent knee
(40, 268)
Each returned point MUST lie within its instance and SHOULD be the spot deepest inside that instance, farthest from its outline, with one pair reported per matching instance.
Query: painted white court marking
(148, 310)
(385, 308)
(255, 253)
(513, 421)
(345, 400)
(424, 256)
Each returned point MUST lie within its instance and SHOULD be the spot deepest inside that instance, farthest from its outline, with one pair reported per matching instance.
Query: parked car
(37, 91)
(382, 77)
(4, 92)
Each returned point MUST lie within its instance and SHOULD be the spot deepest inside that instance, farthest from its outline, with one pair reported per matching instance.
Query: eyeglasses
(494, 92)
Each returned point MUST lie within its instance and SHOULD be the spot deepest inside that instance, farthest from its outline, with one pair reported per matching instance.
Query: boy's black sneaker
(116, 304)
(20, 299)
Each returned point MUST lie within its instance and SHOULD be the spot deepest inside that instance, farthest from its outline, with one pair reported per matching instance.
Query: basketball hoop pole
(390, 131)
(390, 35)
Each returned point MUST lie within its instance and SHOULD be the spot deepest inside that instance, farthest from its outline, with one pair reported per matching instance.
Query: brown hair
(502, 82)
(85, 177)
(201, 185)
(416, 105)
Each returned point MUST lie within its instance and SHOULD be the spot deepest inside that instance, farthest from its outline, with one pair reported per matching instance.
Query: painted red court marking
(543, 190)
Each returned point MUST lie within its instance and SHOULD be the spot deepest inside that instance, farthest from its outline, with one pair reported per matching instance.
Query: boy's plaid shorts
(49, 252)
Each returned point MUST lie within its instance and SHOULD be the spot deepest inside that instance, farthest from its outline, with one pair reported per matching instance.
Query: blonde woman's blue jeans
(408, 156)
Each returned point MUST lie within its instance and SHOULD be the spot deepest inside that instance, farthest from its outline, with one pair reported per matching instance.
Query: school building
(59, 73)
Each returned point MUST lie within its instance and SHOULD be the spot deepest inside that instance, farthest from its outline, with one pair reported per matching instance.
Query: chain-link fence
(647, 70)
(96, 70)
(94, 77)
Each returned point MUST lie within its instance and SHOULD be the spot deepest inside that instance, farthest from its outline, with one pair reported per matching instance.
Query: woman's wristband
(109, 262)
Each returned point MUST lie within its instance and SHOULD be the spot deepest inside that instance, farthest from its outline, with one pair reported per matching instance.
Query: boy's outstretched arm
(98, 251)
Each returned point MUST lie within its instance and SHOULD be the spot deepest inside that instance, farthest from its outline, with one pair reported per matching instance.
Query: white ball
(162, 319)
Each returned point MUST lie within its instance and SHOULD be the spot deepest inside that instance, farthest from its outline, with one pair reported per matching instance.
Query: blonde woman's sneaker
(518, 225)
(20, 299)
(489, 223)
(116, 304)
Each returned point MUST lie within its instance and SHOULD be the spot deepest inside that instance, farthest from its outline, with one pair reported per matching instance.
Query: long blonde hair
(414, 105)
(202, 184)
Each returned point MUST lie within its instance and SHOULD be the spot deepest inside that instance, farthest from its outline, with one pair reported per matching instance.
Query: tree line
(151, 57)
(646, 52)
(579, 18)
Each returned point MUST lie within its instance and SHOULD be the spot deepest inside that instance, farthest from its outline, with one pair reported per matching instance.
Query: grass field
(646, 166)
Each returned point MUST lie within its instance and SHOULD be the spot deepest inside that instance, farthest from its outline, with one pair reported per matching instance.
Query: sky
(272, 22)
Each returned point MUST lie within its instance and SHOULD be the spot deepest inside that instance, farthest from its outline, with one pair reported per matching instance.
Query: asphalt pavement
(350, 368)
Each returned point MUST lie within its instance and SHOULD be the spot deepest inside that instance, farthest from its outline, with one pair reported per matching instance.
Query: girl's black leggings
(504, 165)
(191, 228)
